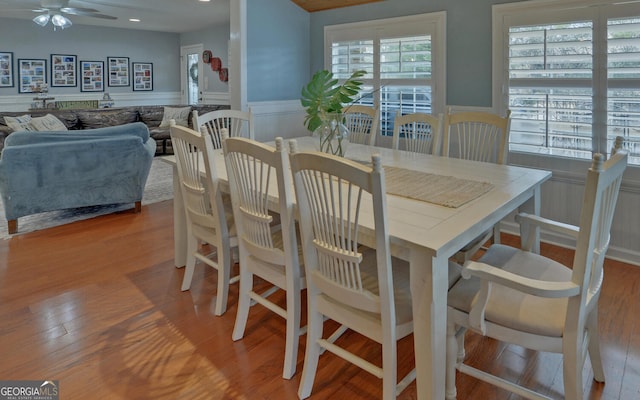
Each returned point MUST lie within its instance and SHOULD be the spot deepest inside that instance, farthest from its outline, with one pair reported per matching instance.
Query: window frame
(433, 24)
(541, 12)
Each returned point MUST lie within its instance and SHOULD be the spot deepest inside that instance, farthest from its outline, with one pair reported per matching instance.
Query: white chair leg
(225, 263)
(293, 332)
(451, 361)
(192, 246)
(572, 365)
(389, 365)
(460, 338)
(244, 302)
(312, 351)
(594, 347)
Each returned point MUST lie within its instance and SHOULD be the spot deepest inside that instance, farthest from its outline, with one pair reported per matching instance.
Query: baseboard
(628, 256)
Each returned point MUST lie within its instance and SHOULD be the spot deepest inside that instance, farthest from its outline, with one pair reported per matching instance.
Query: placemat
(443, 190)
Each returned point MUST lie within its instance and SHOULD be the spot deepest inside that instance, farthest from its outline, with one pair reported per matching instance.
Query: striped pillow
(21, 123)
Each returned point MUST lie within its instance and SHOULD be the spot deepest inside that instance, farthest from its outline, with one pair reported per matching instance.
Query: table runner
(442, 190)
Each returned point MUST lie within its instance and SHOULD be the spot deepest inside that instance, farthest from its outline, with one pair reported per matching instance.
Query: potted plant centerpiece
(324, 101)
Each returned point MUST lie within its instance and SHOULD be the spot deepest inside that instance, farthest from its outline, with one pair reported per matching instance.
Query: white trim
(278, 118)
(19, 103)
(222, 98)
(433, 24)
(628, 256)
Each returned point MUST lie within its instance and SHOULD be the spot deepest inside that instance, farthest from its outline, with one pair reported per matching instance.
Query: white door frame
(184, 50)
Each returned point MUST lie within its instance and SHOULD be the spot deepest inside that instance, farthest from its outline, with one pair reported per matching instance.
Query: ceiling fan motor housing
(54, 4)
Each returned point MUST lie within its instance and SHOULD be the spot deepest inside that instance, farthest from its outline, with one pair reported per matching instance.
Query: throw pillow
(21, 123)
(48, 123)
(181, 115)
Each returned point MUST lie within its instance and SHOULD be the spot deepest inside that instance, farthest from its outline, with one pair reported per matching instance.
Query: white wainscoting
(23, 102)
(278, 118)
(221, 98)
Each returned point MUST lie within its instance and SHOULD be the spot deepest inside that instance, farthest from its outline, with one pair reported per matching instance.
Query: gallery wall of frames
(37, 75)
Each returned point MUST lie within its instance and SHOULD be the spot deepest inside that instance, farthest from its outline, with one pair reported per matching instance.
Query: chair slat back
(598, 206)
(257, 171)
(477, 136)
(237, 123)
(362, 122)
(417, 132)
(332, 193)
(202, 197)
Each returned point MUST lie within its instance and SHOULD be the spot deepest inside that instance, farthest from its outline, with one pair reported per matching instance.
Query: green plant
(323, 96)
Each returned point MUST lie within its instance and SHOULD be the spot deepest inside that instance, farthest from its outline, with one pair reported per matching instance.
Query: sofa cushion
(151, 115)
(180, 115)
(19, 123)
(91, 119)
(48, 123)
(69, 118)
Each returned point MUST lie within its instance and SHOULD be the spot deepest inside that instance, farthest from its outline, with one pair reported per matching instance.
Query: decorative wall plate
(206, 56)
(224, 74)
(216, 63)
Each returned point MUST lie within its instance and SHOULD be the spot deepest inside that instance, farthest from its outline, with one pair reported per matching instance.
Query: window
(571, 76)
(404, 60)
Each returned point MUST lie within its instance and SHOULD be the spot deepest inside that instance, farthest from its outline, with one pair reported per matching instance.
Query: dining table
(435, 206)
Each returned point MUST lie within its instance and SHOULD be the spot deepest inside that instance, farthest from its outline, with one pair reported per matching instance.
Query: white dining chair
(521, 298)
(267, 252)
(237, 123)
(417, 133)
(209, 218)
(477, 136)
(364, 290)
(362, 122)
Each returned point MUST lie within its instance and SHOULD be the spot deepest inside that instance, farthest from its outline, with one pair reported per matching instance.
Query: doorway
(191, 71)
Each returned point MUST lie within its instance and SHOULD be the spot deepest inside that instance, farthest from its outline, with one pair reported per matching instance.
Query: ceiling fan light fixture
(42, 19)
(60, 21)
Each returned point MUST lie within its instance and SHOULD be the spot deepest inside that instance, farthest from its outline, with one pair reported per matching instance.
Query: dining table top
(435, 227)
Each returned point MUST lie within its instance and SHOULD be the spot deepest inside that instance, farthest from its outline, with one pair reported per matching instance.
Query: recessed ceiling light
(134, 19)
(204, 1)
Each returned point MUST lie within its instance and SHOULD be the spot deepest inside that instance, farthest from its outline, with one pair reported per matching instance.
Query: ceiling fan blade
(80, 9)
(84, 12)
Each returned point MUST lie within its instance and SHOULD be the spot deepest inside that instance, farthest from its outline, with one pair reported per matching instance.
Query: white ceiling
(155, 15)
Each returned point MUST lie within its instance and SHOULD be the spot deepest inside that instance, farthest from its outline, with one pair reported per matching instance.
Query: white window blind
(572, 78)
(623, 85)
(398, 56)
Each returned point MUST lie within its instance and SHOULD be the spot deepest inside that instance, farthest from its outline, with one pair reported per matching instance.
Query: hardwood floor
(97, 305)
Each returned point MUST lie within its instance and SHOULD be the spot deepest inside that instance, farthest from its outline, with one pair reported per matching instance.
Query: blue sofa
(46, 171)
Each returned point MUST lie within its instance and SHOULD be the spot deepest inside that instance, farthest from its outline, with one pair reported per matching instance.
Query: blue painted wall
(277, 50)
(93, 43)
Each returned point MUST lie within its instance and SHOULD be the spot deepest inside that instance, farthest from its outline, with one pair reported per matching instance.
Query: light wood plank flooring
(97, 305)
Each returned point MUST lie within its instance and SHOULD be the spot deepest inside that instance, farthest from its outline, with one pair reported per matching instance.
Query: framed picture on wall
(118, 71)
(92, 75)
(32, 74)
(142, 75)
(6, 69)
(64, 70)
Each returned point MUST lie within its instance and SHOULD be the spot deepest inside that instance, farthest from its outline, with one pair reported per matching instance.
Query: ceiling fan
(54, 10)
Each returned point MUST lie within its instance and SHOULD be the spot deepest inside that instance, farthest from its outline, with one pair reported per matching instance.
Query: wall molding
(222, 98)
(617, 253)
